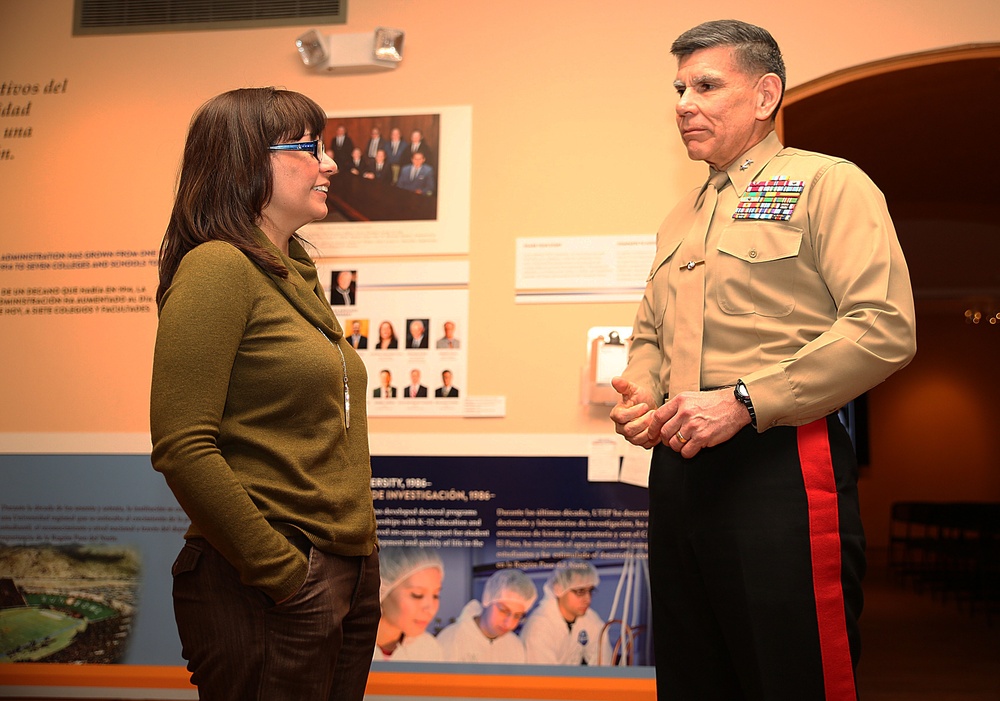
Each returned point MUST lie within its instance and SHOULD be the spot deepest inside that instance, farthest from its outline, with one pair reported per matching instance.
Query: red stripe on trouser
(824, 541)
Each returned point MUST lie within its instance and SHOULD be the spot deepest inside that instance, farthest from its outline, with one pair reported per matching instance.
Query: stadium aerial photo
(66, 603)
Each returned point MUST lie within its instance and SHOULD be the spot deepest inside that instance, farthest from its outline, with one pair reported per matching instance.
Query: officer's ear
(768, 96)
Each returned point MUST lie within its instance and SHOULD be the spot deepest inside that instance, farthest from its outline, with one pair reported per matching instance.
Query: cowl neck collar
(302, 287)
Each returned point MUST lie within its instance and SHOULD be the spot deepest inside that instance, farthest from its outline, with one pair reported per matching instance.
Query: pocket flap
(755, 242)
(187, 559)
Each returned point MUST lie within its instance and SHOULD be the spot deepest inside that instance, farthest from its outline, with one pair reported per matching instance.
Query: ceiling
(927, 131)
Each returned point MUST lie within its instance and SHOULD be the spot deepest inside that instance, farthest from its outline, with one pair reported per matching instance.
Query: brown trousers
(240, 646)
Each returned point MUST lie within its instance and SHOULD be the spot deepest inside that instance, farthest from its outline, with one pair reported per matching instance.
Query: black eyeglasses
(313, 148)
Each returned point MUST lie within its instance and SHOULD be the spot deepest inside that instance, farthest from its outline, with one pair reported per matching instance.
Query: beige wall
(572, 135)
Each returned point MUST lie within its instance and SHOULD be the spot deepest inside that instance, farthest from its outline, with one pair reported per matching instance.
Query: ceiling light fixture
(380, 50)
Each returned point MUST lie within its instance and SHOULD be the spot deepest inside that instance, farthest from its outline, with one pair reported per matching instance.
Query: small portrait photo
(448, 339)
(344, 288)
(387, 339)
(385, 389)
(356, 331)
(416, 333)
(447, 389)
(415, 389)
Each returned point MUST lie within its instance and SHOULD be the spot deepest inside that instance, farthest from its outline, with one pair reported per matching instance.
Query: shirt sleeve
(858, 257)
(644, 355)
(203, 316)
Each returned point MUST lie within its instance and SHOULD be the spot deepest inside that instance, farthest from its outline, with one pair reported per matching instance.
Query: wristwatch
(744, 396)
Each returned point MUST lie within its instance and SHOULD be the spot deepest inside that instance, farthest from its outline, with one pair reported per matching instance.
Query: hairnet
(396, 564)
(509, 585)
(571, 574)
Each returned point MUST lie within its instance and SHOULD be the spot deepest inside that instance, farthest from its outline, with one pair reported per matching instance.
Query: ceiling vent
(137, 16)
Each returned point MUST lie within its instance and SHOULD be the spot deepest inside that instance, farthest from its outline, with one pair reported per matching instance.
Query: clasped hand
(686, 423)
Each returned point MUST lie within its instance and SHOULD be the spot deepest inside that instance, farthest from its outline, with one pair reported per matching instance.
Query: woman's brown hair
(226, 176)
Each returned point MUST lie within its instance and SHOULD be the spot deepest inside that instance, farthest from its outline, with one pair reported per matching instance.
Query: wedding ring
(681, 438)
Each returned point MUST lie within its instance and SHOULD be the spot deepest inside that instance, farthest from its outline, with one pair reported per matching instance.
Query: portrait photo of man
(344, 286)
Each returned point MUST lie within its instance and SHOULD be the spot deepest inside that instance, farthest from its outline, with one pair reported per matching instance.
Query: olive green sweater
(247, 415)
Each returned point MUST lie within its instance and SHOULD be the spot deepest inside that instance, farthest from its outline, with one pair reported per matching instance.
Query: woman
(276, 588)
(410, 594)
(386, 337)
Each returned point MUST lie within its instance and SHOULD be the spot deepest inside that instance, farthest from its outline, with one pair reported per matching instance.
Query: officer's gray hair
(755, 50)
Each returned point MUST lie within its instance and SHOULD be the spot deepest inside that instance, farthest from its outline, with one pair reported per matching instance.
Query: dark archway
(926, 128)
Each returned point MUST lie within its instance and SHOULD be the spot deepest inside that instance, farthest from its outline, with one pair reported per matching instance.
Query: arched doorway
(926, 128)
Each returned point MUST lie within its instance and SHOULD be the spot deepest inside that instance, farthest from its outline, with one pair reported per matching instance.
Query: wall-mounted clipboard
(607, 351)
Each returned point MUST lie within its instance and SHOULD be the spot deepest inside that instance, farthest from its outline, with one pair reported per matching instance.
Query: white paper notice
(635, 465)
(602, 460)
(611, 361)
(583, 268)
(485, 406)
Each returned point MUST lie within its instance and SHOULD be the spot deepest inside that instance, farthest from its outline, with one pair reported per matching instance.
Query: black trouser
(756, 557)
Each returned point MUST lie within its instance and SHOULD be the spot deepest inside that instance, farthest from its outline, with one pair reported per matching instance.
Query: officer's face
(717, 104)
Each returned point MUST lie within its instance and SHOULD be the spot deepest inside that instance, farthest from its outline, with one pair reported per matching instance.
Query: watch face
(741, 391)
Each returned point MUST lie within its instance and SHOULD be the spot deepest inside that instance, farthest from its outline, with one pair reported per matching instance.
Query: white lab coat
(463, 641)
(549, 639)
(423, 648)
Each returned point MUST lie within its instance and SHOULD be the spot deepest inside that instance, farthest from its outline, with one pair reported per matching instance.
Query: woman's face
(299, 189)
(385, 330)
(413, 604)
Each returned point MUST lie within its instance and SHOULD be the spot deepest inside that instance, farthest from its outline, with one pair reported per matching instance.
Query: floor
(918, 647)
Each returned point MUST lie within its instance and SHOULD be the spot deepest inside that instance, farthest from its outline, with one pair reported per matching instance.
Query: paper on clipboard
(608, 355)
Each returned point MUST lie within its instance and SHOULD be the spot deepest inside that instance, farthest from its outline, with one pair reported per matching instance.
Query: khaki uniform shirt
(810, 312)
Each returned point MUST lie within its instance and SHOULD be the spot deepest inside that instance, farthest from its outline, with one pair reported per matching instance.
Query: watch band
(741, 393)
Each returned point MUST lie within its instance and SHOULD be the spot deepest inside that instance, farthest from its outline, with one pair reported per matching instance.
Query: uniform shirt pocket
(758, 266)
